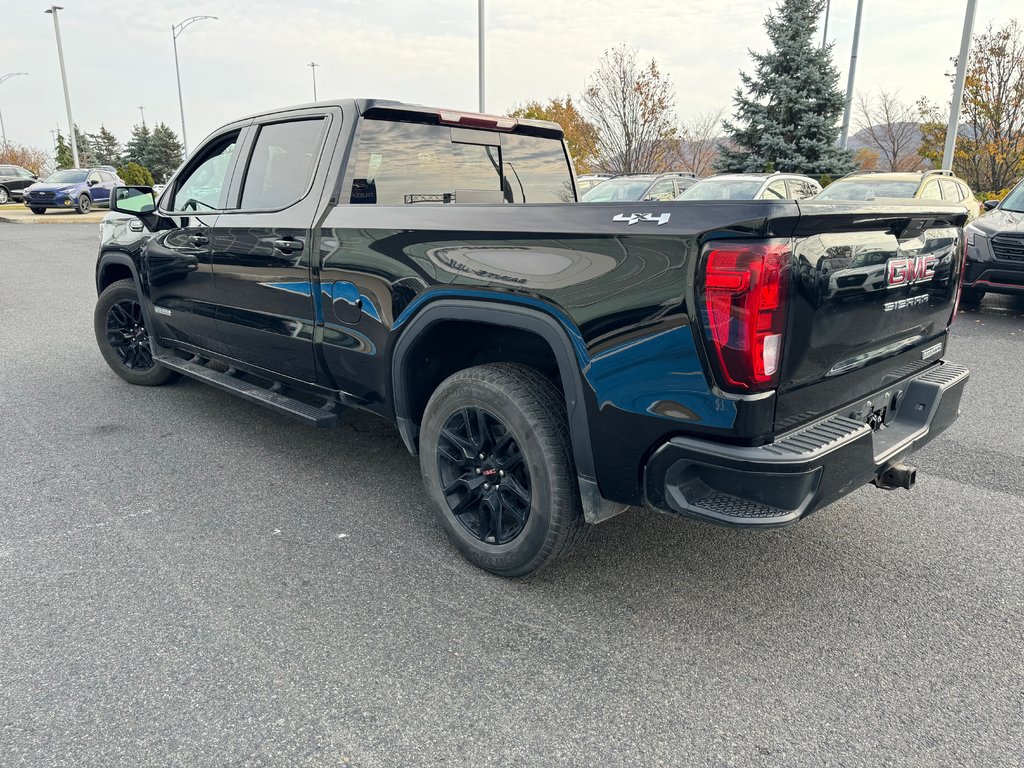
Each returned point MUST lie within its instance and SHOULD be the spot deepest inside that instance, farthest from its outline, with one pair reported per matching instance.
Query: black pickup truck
(552, 364)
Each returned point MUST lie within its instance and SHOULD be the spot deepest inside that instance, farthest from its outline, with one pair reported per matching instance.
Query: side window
(281, 164)
(931, 191)
(24, 174)
(964, 191)
(403, 163)
(107, 176)
(201, 185)
(6, 170)
(93, 176)
(776, 190)
(950, 191)
(661, 191)
(409, 163)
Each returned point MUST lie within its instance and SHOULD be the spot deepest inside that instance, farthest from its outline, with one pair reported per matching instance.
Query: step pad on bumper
(778, 483)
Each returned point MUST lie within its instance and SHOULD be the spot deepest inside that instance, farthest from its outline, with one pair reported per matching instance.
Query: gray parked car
(638, 187)
(753, 186)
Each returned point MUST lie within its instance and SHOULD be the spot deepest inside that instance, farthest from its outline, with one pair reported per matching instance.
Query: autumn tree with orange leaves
(990, 145)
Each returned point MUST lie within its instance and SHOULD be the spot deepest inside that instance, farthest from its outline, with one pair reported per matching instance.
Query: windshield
(616, 190)
(66, 177)
(867, 189)
(1014, 201)
(723, 189)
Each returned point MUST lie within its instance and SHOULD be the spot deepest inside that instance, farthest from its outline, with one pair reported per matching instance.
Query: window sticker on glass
(375, 160)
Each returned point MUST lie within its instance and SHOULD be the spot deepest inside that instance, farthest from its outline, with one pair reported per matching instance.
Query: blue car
(78, 188)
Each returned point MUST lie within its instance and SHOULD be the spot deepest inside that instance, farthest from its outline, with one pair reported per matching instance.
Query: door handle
(288, 245)
(198, 240)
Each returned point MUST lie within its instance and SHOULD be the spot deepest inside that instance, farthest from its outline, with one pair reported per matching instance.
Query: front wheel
(38, 211)
(496, 460)
(5, 196)
(84, 204)
(120, 327)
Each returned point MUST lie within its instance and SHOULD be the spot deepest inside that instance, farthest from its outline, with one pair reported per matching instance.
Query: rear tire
(84, 204)
(38, 211)
(123, 339)
(503, 418)
(5, 196)
(971, 296)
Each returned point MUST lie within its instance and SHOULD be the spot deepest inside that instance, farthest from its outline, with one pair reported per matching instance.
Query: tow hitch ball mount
(897, 476)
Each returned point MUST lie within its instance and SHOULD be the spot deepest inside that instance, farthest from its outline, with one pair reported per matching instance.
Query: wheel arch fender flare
(541, 323)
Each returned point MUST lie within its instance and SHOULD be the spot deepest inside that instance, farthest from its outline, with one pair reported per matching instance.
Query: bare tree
(699, 138)
(633, 107)
(890, 127)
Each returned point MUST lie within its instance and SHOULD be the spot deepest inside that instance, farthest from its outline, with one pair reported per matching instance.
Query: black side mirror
(92, 182)
(135, 201)
(990, 204)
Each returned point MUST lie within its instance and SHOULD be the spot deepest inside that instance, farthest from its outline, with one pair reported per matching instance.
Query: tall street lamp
(313, 65)
(480, 48)
(3, 131)
(64, 78)
(177, 29)
(844, 137)
(958, 86)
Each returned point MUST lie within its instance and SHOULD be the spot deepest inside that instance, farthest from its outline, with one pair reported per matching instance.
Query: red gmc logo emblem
(909, 271)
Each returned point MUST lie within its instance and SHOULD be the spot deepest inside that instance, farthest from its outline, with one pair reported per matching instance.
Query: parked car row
(995, 240)
(72, 188)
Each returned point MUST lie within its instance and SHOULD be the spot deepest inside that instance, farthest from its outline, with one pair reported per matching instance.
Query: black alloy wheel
(84, 204)
(496, 461)
(484, 478)
(127, 335)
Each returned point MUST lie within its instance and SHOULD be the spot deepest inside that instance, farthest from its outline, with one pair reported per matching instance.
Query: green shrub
(134, 174)
(825, 180)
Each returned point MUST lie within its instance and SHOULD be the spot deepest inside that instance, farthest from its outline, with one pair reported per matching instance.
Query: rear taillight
(743, 297)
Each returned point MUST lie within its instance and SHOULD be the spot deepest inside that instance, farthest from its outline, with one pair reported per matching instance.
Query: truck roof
(389, 108)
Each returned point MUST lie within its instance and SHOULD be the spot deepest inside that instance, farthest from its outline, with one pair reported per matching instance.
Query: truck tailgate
(872, 296)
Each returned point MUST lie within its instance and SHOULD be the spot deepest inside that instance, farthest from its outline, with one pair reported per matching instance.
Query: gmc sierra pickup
(552, 364)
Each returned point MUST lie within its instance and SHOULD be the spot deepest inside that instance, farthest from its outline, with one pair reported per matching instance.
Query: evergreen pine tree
(787, 112)
(164, 152)
(63, 155)
(134, 174)
(138, 146)
(86, 154)
(105, 146)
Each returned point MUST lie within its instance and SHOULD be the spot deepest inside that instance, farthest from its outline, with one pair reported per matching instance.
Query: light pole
(845, 133)
(3, 131)
(64, 78)
(958, 87)
(142, 111)
(824, 27)
(313, 65)
(177, 29)
(480, 45)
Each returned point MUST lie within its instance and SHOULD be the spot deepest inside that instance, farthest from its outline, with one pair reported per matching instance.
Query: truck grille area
(1008, 247)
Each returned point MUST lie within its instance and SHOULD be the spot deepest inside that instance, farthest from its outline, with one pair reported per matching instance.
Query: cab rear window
(413, 163)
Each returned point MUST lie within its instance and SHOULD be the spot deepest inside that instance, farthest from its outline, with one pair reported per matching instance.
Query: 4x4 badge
(633, 218)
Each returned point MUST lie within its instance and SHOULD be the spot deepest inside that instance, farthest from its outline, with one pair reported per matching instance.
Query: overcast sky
(119, 53)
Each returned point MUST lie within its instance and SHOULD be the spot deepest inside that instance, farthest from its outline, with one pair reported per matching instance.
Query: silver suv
(753, 186)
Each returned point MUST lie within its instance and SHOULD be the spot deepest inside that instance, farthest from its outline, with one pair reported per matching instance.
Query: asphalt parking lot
(187, 579)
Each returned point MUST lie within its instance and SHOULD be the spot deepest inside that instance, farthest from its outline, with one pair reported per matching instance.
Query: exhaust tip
(897, 476)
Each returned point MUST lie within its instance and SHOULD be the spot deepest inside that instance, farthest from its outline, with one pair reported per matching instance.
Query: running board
(268, 398)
